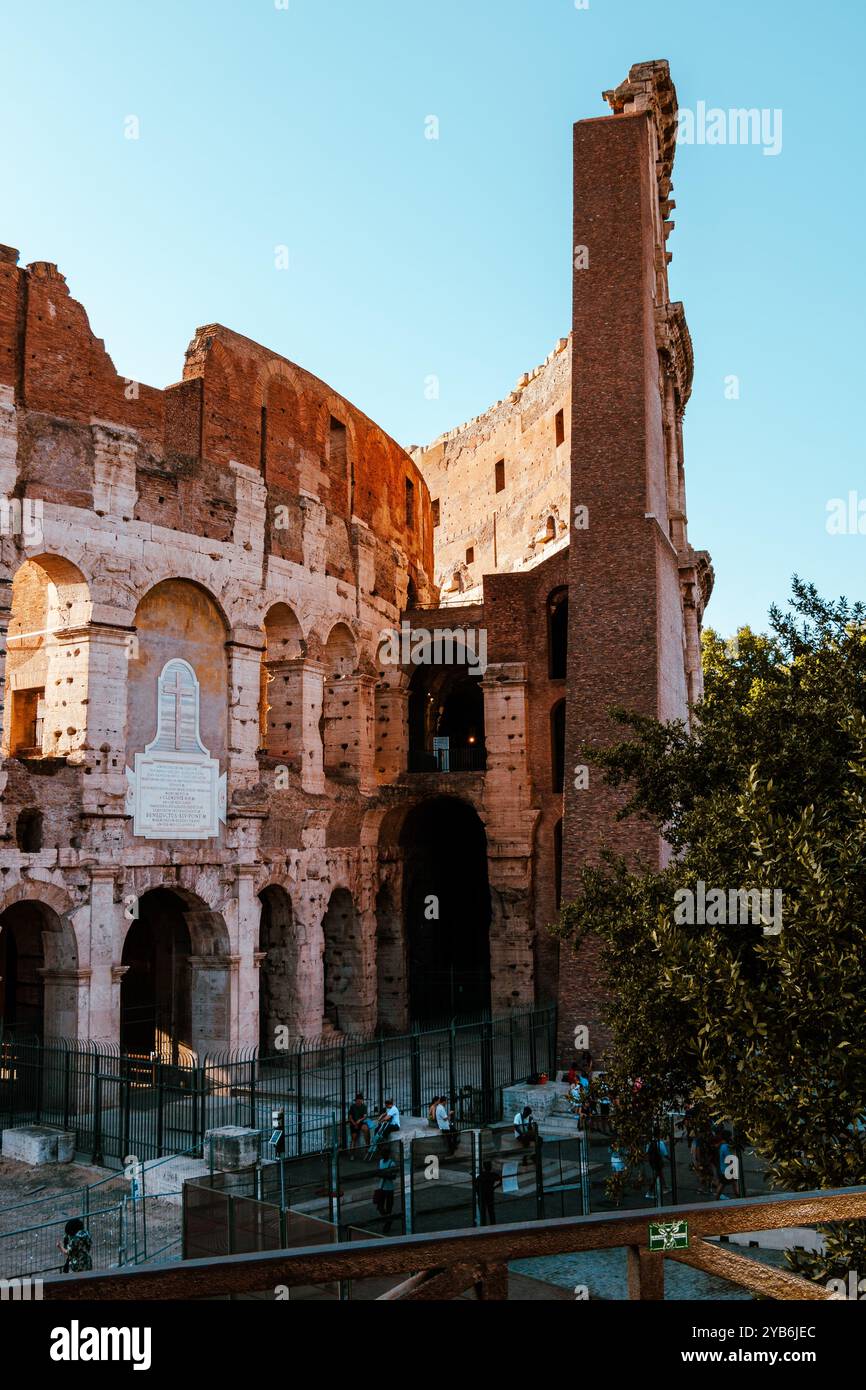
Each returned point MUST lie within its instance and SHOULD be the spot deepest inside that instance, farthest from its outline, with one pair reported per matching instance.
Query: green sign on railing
(668, 1235)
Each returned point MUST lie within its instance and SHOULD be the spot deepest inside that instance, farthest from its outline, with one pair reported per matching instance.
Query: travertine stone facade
(394, 834)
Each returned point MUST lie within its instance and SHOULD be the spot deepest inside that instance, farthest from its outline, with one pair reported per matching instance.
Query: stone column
(245, 995)
(212, 985)
(109, 924)
(107, 653)
(349, 709)
(507, 783)
(310, 676)
(310, 904)
(510, 822)
(392, 732)
(65, 1001)
(244, 657)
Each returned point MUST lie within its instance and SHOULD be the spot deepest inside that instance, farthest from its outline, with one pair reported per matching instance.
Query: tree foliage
(767, 790)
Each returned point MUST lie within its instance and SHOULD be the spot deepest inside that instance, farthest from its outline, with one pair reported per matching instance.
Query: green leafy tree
(761, 1021)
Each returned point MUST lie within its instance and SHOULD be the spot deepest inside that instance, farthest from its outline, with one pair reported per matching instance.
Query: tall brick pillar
(626, 639)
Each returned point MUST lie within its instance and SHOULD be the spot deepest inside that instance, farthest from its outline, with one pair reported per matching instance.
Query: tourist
(76, 1246)
(485, 1188)
(722, 1175)
(390, 1117)
(384, 1194)
(358, 1126)
(656, 1152)
(446, 1123)
(571, 1075)
(525, 1129)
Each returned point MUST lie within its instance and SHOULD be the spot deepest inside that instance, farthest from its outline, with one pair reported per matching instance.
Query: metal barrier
(33, 1250)
(149, 1107)
(443, 1181)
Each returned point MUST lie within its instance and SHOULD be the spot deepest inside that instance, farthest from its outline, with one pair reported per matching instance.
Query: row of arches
(49, 667)
(422, 955)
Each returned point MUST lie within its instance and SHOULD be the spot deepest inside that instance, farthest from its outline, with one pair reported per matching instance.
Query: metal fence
(148, 1107)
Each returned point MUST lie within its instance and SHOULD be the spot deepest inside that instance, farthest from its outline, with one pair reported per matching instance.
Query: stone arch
(39, 972)
(339, 701)
(281, 686)
(176, 986)
(392, 991)
(446, 903)
(446, 702)
(340, 653)
(178, 618)
(46, 678)
(280, 1004)
(346, 1002)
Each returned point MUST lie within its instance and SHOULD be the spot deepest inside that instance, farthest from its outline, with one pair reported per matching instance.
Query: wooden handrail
(483, 1253)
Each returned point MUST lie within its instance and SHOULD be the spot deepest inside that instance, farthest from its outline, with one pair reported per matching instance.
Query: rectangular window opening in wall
(500, 475)
(337, 448)
(470, 555)
(28, 715)
(560, 427)
(434, 507)
(410, 503)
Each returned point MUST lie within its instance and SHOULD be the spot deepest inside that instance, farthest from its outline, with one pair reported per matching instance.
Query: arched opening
(339, 732)
(446, 909)
(21, 965)
(278, 971)
(179, 620)
(446, 720)
(38, 960)
(46, 670)
(557, 745)
(391, 978)
(280, 694)
(156, 988)
(342, 965)
(557, 634)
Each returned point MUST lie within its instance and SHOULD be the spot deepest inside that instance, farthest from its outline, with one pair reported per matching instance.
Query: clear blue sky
(409, 257)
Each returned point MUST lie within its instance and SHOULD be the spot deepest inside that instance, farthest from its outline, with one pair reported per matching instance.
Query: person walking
(485, 1188)
(384, 1198)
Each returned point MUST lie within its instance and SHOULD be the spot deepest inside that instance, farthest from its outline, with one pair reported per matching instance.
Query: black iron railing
(121, 1105)
(470, 759)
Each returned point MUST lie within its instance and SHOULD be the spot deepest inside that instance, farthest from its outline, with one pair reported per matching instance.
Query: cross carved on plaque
(178, 691)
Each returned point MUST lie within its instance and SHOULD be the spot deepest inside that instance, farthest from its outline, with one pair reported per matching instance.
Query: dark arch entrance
(278, 995)
(446, 703)
(21, 963)
(445, 851)
(155, 992)
(38, 971)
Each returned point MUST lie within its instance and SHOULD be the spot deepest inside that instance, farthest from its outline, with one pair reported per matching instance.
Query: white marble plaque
(175, 791)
